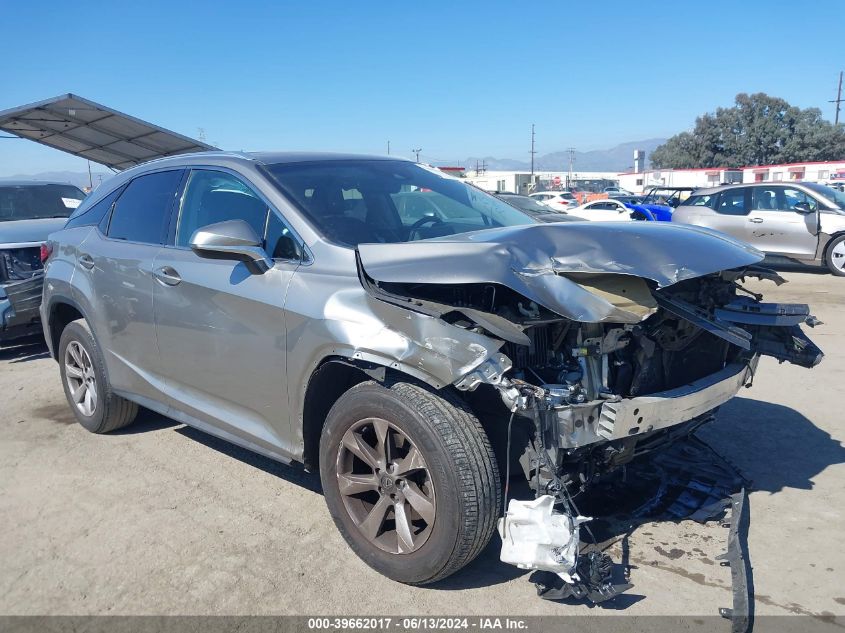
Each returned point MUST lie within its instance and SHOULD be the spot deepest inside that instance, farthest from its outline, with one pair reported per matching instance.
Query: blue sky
(453, 78)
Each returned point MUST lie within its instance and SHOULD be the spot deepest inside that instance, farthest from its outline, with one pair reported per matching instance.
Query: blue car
(659, 202)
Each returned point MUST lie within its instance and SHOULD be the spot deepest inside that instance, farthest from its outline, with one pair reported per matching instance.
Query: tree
(757, 130)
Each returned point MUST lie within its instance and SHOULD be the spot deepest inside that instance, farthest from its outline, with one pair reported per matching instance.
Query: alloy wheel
(386, 486)
(837, 255)
(81, 378)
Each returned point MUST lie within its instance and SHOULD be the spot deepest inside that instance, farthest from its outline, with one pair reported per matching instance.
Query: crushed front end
(21, 282)
(600, 394)
(601, 360)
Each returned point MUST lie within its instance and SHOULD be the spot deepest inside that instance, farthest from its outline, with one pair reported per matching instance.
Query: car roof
(787, 183)
(263, 158)
(23, 183)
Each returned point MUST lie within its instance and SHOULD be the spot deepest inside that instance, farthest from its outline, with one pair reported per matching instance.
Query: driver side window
(216, 196)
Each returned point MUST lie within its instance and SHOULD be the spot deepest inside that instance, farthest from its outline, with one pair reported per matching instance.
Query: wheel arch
(61, 311)
(332, 377)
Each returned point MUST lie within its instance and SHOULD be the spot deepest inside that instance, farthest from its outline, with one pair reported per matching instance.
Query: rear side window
(142, 213)
(732, 202)
(95, 213)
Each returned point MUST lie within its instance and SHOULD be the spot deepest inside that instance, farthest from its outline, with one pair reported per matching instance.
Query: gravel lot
(162, 519)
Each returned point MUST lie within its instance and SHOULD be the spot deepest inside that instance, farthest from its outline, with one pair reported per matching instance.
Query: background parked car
(804, 222)
(604, 210)
(556, 200)
(614, 192)
(29, 212)
(659, 202)
(535, 209)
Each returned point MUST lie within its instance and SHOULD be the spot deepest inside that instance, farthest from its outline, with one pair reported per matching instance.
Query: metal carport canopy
(93, 131)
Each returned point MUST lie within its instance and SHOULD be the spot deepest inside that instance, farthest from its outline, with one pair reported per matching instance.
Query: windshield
(832, 195)
(366, 201)
(33, 201)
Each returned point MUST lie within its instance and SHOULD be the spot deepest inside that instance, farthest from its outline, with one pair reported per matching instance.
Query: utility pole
(388, 148)
(838, 100)
(532, 153)
(417, 152)
(571, 151)
(90, 179)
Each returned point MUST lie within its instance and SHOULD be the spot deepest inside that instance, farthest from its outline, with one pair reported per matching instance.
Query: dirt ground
(162, 519)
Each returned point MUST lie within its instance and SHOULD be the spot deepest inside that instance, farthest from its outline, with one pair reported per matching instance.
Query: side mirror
(232, 239)
(803, 207)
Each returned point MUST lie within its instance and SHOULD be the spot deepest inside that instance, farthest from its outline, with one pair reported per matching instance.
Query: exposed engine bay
(592, 396)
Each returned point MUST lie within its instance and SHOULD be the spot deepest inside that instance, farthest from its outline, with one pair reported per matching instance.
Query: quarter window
(216, 196)
(142, 213)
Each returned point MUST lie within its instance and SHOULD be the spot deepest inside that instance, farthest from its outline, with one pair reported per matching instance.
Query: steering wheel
(425, 220)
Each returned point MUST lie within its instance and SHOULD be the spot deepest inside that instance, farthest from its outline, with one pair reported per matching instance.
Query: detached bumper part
(536, 536)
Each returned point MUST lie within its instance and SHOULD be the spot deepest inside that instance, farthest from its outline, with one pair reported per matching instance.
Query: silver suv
(803, 221)
(283, 303)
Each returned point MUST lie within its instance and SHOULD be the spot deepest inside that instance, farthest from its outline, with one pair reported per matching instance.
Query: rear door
(775, 225)
(114, 273)
(221, 327)
(731, 213)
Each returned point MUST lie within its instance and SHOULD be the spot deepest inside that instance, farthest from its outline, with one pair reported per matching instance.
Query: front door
(783, 220)
(220, 325)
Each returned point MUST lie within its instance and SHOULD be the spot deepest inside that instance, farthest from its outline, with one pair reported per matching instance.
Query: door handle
(167, 275)
(755, 220)
(86, 261)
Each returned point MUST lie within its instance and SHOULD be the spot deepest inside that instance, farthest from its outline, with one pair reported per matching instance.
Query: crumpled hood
(534, 260)
(24, 231)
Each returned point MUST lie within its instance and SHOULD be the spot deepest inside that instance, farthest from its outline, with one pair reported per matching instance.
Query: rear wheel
(86, 385)
(835, 256)
(410, 480)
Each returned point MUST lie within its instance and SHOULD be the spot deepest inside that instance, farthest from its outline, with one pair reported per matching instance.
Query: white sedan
(604, 210)
(557, 200)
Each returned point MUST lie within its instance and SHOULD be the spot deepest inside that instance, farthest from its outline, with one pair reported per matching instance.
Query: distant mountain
(78, 178)
(619, 158)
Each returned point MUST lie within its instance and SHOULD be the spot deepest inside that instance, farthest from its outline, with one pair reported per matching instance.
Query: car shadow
(25, 350)
(773, 446)
(292, 473)
(787, 266)
(146, 422)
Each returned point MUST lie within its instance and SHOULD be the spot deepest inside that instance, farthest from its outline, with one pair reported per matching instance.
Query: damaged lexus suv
(285, 303)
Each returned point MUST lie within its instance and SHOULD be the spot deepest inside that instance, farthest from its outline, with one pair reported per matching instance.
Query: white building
(520, 181)
(822, 172)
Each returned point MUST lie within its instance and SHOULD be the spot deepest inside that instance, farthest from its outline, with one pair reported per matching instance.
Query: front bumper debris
(741, 613)
(579, 425)
(536, 536)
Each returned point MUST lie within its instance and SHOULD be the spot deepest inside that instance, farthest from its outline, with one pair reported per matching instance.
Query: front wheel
(835, 256)
(410, 480)
(86, 385)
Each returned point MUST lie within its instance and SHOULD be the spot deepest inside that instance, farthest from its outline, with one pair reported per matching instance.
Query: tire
(834, 256)
(108, 412)
(460, 480)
